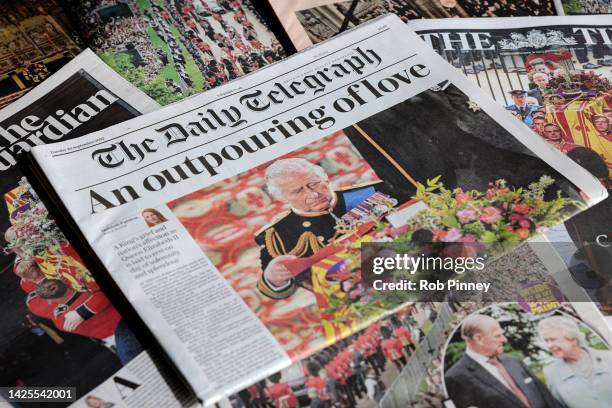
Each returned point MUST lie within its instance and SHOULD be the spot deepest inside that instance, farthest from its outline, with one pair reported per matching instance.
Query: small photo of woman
(153, 217)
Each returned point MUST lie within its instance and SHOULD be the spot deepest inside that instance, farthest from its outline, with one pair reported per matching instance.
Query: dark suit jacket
(470, 385)
(536, 93)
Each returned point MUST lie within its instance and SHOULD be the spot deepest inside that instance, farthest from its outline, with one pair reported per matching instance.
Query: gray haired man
(486, 377)
(308, 226)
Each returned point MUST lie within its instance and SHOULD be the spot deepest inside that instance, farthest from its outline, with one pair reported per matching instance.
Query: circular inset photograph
(503, 356)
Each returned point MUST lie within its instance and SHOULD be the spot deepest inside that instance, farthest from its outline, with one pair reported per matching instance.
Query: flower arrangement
(500, 215)
(457, 223)
(32, 230)
(579, 82)
(463, 223)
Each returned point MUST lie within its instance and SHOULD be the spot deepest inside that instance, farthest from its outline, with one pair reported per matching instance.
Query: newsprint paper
(553, 74)
(78, 339)
(232, 221)
(308, 22)
(367, 370)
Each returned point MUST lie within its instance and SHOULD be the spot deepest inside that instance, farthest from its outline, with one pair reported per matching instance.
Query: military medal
(371, 209)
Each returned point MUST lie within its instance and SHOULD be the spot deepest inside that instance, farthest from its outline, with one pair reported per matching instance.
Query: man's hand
(72, 320)
(277, 273)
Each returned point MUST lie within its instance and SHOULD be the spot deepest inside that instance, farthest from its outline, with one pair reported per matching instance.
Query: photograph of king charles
(309, 225)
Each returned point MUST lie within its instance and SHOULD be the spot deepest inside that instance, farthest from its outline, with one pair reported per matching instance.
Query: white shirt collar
(484, 363)
(479, 358)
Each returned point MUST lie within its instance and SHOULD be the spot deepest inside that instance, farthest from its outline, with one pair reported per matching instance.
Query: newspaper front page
(308, 22)
(36, 40)
(233, 220)
(171, 50)
(78, 339)
(553, 74)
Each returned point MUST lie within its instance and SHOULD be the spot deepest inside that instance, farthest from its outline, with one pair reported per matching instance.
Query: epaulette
(366, 184)
(273, 222)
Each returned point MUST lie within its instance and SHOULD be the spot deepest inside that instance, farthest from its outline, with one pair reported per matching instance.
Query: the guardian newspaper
(71, 336)
(233, 220)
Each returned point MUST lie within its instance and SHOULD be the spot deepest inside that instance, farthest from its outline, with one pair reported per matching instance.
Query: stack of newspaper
(358, 225)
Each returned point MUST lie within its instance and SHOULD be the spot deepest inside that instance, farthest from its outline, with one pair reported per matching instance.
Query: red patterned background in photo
(224, 218)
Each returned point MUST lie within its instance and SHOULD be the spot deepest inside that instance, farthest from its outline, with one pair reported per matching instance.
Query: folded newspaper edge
(88, 61)
(115, 232)
(37, 118)
(505, 22)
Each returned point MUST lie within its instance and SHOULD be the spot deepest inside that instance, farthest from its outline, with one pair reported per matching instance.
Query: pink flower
(521, 220)
(356, 292)
(467, 215)
(521, 208)
(439, 234)
(468, 238)
(453, 235)
(462, 197)
(470, 247)
(396, 232)
(490, 215)
(497, 187)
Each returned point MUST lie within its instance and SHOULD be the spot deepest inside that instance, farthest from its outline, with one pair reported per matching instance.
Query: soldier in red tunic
(339, 375)
(392, 348)
(86, 313)
(554, 135)
(280, 393)
(402, 334)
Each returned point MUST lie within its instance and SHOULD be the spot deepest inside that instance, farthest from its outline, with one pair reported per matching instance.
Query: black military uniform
(303, 234)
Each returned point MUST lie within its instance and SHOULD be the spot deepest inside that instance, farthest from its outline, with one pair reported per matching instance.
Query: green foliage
(454, 352)
(476, 228)
(156, 89)
(572, 7)
(501, 215)
(432, 185)
(143, 4)
(450, 221)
